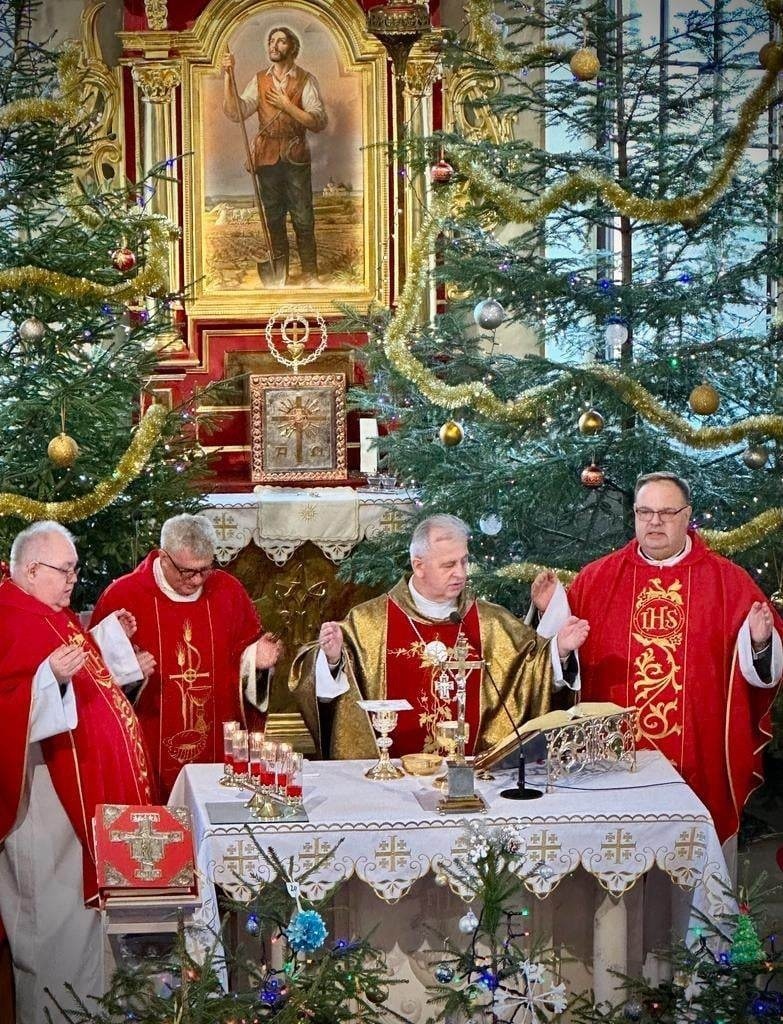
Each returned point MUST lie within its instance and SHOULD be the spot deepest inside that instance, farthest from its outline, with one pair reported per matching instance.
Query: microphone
(521, 791)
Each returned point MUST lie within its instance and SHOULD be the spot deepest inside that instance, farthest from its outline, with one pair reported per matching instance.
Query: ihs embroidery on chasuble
(657, 628)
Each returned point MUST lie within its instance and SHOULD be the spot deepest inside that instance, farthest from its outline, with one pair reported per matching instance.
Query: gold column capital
(156, 80)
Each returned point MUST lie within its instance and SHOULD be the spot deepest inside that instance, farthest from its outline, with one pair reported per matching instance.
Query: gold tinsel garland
(150, 279)
(490, 45)
(725, 542)
(106, 491)
(61, 111)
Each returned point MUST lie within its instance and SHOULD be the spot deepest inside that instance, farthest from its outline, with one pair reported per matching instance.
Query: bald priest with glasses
(212, 656)
(687, 637)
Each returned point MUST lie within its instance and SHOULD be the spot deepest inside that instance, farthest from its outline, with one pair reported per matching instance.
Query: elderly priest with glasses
(688, 638)
(70, 741)
(212, 658)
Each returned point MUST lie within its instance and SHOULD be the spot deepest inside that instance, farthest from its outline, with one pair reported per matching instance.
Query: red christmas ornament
(123, 259)
(592, 476)
(441, 173)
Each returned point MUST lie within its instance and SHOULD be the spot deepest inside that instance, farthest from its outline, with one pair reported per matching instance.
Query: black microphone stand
(521, 791)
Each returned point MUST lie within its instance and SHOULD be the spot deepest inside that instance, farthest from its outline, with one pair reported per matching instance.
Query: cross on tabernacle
(145, 845)
(300, 419)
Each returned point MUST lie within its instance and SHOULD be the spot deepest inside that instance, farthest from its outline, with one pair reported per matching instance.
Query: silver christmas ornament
(32, 329)
(468, 923)
(489, 314)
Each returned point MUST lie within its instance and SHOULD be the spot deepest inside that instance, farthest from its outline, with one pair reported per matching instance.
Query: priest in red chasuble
(391, 647)
(688, 638)
(211, 658)
(70, 741)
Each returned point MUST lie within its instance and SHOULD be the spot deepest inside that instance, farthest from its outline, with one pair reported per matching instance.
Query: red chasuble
(102, 760)
(664, 640)
(197, 646)
(407, 678)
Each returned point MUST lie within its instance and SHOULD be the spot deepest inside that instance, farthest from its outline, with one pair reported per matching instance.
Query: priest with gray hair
(392, 647)
(213, 660)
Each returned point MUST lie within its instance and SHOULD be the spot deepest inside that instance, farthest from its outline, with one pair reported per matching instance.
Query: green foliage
(343, 980)
(95, 358)
(692, 295)
(499, 975)
(710, 985)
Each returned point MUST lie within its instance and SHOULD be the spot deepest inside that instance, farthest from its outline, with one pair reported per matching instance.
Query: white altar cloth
(281, 519)
(615, 826)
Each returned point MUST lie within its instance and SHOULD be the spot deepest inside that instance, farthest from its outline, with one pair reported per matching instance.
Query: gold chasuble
(385, 643)
(664, 639)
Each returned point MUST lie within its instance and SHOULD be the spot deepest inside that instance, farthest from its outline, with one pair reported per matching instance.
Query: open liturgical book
(144, 851)
(585, 710)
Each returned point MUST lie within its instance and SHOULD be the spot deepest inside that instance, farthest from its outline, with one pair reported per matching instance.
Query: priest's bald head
(439, 557)
(44, 563)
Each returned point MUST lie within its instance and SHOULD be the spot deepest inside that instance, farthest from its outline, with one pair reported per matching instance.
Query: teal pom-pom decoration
(306, 931)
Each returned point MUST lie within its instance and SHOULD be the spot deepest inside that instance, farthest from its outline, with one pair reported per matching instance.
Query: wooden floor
(6, 985)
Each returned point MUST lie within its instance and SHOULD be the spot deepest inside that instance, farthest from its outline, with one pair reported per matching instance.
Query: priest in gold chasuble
(688, 638)
(391, 647)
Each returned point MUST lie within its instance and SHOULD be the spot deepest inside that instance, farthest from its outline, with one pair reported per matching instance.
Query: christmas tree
(500, 975)
(80, 334)
(645, 198)
(320, 980)
(727, 976)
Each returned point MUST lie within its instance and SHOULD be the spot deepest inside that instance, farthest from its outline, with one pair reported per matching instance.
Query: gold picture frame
(297, 428)
(224, 237)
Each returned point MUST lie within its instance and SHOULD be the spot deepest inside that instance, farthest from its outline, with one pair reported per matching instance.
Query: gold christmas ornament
(63, 451)
(704, 400)
(591, 422)
(592, 476)
(585, 64)
(771, 56)
(451, 434)
(776, 600)
(755, 457)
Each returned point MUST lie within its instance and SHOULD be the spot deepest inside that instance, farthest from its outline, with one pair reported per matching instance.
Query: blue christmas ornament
(444, 974)
(605, 284)
(252, 927)
(306, 931)
(488, 979)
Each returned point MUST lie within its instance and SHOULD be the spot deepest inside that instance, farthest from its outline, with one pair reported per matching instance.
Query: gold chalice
(384, 721)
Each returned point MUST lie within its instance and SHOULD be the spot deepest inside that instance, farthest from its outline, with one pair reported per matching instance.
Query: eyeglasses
(70, 573)
(666, 515)
(191, 574)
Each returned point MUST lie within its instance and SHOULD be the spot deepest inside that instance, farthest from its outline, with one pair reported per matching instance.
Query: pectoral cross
(146, 846)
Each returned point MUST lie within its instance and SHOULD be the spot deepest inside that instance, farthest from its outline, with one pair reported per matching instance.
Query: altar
(388, 844)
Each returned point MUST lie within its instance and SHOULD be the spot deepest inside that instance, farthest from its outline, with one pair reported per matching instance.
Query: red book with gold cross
(144, 850)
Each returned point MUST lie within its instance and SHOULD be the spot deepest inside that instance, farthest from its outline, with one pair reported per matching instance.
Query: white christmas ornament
(491, 524)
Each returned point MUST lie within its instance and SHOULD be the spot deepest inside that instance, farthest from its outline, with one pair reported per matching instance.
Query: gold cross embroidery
(390, 851)
(690, 843)
(541, 844)
(619, 844)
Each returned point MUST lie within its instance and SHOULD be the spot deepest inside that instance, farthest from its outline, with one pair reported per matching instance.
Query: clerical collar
(431, 609)
(168, 590)
(673, 559)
